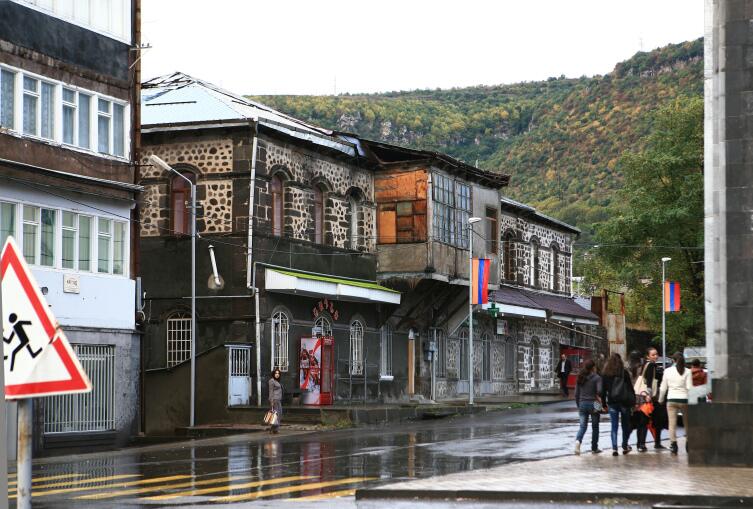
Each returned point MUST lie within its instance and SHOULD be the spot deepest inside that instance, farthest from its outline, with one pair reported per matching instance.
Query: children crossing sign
(38, 359)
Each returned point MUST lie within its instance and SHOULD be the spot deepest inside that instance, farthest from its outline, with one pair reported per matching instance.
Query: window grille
(92, 411)
(280, 327)
(385, 359)
(324, 325)
(356, 348)
(441, 343)
(486, 362)
(510, 359)
(178, 339)
(463, 336)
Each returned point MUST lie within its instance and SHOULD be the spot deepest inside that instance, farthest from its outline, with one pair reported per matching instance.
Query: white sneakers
(577, 447)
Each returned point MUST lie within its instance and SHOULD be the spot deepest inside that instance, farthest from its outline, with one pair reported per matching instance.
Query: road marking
(230, 487)
(49, 478)
(87, 480)
(324, 496)
(105, 486)
(291, 489)
(136, 491)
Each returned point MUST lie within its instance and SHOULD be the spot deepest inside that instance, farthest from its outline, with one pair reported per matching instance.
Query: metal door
(239, 375)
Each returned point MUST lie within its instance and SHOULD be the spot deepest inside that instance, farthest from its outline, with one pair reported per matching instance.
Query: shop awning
(312, 285)
(530, 304)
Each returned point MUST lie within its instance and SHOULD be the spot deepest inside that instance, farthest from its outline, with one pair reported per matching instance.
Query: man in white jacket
(675, 384)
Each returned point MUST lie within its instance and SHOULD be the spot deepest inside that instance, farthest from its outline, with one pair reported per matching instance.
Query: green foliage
(661, 216)
(559, 139)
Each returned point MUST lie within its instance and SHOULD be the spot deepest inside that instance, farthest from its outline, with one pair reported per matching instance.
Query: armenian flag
(671, 296)
(480, 281)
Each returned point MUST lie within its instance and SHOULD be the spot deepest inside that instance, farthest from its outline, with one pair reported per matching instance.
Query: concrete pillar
(722, 433)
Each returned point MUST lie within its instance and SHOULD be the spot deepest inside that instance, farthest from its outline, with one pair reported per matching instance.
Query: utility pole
(663, 314)
(471, 222)
(3, 419)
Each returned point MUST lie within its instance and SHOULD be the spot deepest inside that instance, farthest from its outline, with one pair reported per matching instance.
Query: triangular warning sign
(39, 361)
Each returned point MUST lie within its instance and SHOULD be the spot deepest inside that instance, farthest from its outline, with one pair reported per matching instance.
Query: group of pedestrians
(639, 396)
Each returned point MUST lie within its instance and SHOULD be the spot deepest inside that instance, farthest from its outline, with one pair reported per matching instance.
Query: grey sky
(305, 46)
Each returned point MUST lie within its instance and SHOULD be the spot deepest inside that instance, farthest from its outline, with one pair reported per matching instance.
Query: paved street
(305, 467)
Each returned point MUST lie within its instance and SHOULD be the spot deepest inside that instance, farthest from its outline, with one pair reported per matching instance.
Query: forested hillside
(560, 139)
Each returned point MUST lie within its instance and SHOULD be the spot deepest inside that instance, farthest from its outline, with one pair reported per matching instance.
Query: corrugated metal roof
(179, 99)
(554, 304)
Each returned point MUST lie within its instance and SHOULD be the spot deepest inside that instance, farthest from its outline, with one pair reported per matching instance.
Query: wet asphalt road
(311, 469)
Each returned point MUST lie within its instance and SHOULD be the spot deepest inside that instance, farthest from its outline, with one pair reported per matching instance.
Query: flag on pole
(480, 281)
(671, 296)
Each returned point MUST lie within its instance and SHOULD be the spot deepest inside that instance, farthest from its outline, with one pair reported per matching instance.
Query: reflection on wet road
(304, 468)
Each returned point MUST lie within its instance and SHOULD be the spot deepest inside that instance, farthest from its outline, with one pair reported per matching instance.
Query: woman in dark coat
(275, 399)
(618, 395)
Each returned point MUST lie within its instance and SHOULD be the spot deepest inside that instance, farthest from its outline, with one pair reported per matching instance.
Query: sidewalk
(653, 476)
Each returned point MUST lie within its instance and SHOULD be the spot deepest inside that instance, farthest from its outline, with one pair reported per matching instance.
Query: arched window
(278, 207)
(555, 268)
(535, 263)
(178, 338)
(486, 360)
(509, 257)
(463, 337)
(355, 197)
(280, 327)
(356, 348)
(323, 324)
(318, 215)
(180, 202)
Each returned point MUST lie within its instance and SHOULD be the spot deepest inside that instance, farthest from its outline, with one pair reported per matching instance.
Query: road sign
(39, 361)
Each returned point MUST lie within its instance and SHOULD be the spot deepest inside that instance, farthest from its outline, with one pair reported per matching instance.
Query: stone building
(68, 130)
(289, 209)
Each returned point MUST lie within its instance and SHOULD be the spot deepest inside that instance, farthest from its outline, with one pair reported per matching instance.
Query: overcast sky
(319, 47)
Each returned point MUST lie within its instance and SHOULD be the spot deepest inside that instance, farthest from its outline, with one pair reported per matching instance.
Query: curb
(554, 497)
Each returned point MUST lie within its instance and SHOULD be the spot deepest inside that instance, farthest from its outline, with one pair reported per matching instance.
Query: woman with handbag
(619, 398)
(675, 384)
(587, 398)
(275, 401)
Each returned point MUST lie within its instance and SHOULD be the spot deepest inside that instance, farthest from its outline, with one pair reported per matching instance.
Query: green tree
(662, 217)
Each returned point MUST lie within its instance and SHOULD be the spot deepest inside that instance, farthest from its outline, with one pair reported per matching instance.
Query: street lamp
(663, 315)
(162, 164)
(471, 222)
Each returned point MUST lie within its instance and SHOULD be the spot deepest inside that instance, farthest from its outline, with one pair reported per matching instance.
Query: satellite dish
(212, 282)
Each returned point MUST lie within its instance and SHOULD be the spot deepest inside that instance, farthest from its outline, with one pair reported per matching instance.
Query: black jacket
(568, 368)
(608, 381)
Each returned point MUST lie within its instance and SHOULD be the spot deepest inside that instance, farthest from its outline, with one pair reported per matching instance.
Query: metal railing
(93, 411)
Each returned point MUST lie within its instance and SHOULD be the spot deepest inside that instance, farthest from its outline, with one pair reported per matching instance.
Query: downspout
(250, 264)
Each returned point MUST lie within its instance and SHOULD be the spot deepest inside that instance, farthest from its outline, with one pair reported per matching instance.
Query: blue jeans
(617, 413)
(585, 409)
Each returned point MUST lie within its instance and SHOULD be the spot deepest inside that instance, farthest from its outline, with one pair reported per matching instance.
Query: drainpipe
(250, 264)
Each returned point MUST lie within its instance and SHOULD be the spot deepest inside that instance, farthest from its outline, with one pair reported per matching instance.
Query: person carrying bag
(274, 415)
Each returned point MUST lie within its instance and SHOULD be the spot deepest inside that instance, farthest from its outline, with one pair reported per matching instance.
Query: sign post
(38, 360)
(3, 419)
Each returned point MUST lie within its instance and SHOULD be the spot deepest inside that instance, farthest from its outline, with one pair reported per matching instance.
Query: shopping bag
(270, 418)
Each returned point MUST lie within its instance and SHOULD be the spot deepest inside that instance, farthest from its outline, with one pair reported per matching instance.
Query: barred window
(385, 357)
(92, 411)
(280, 327)
(463, 336)
(510, 359)
(356, 348)
(178, 339)
(452, 207)
(441, 343)
(324, 325)
(486, 364)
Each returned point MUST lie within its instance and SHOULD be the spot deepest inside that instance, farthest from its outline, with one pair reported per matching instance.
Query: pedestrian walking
(699, 392)
(619, 398)
(275, 399)
(588, 400)
(647, 391)
(563, 369)
(675, 384)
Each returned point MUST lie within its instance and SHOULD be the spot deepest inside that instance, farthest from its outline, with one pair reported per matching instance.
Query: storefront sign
(326, 305)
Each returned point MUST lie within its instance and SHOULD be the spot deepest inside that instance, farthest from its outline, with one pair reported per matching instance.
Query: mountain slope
(560, 139)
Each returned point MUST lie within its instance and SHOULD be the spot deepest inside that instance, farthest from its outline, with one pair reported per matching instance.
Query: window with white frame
(91, 411)
(178, 339)
(62, 113)
(452, 208)
(109, 17)
(356, 348)
(280, 328)
(324, 325)
(7, 98)
(7, 221)
(385, 350)
(64, 239)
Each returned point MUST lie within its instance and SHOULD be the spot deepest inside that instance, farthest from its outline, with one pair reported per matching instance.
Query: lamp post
(162, 164)
(663, 315)
(471, 222)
